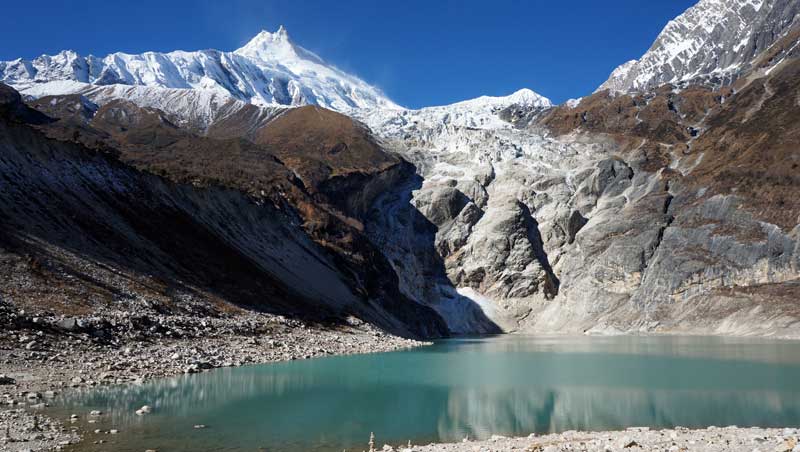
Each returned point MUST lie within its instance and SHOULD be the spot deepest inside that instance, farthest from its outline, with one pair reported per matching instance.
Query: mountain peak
(524, 97)
(267, 44)
(268, 47)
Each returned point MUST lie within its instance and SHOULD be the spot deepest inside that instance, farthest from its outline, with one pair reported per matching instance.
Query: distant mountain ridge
(269, 70)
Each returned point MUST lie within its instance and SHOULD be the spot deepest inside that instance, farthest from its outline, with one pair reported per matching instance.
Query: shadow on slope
(408, 238)
(82, 229)
(90, 218)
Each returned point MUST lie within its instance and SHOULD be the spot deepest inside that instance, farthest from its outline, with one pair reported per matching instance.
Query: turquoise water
(507, 385)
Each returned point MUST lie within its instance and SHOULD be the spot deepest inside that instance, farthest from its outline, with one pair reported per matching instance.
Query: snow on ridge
(270, 70)
(713, 40)
(441, 123)
(194, 108)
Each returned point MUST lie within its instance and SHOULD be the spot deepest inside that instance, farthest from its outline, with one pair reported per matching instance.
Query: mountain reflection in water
(462, 387)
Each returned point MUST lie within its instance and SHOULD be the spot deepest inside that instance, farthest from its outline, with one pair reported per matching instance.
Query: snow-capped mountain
(269, 70)
(712, 42)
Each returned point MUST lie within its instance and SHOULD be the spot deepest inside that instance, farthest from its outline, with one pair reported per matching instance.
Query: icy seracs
(476, 186)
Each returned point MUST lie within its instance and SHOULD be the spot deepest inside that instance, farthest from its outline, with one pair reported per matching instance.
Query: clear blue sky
(420, 52)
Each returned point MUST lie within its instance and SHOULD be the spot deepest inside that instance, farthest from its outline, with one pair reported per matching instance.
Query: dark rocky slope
(120, 207)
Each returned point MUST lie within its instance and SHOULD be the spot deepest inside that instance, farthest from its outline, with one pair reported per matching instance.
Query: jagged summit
(266, 38)
(270, 47)
(269, 70)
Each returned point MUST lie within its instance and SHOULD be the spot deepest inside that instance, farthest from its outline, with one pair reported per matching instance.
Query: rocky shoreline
(711, 439)
(42, 355)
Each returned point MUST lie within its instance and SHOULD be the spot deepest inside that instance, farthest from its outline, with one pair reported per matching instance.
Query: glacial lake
(506, 385)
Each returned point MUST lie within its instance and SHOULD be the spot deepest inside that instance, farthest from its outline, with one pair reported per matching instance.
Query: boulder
(68, 324)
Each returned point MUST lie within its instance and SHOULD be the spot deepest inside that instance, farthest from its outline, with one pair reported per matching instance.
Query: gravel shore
(712, 439)
(42, 355)
(21, 430)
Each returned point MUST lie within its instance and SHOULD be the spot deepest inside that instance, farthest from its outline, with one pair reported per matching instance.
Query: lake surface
(507, 385)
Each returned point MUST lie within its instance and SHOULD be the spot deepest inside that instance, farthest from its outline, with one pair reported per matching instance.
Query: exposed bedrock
(703, 237)
(411, 241)
(665, 211)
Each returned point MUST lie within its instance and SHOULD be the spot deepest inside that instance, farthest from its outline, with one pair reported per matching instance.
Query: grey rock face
(656, 257)
(610, 178)
(441, 204)
(573, 225)
(417, 238)
(712, 42)
(710, 258)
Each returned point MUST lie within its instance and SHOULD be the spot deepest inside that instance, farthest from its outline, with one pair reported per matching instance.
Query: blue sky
(419, 52)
